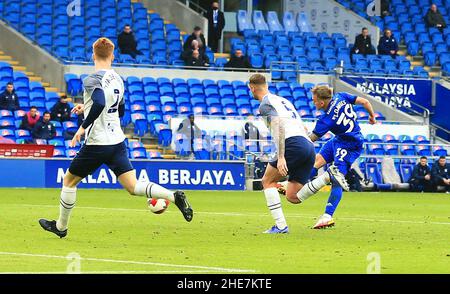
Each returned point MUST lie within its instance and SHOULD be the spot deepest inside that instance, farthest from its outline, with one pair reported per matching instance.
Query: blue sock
(313, 173)
(333, 200)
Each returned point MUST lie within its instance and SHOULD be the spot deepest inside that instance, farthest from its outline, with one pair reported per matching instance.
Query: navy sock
(333, 200)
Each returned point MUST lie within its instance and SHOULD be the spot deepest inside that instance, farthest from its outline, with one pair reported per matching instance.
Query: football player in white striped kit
(104, 142)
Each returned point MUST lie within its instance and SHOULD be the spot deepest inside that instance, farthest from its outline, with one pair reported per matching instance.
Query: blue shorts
(300, 156)
(342, 152)
(91, 157)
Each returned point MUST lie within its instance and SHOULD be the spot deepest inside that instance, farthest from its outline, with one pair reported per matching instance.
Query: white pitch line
(252, 214)
(209, 268)
(112, 272)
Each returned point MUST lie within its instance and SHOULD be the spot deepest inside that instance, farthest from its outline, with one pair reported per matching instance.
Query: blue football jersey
(339, 118)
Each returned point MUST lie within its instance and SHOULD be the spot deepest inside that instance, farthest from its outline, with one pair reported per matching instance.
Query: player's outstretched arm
(368, 106)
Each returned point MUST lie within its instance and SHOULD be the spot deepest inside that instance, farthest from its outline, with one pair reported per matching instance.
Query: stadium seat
(243, 21)
(273, 22)
(289, 22)
(259, 22)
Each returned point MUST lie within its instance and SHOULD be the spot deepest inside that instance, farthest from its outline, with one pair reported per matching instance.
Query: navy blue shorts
(91, 157)
(300, 156)
(342, 152)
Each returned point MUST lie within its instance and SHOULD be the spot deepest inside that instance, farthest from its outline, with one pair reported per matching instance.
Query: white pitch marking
(209, 268)
(112, 272)
(253, 214)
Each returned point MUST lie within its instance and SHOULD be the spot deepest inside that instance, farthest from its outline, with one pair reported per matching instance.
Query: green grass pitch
(113, 232)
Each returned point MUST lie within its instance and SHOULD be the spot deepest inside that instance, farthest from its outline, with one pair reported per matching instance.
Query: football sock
(312, 187)
(66, 203)
(333, 200)
(314, 172)
(274, 204)
(152, 190)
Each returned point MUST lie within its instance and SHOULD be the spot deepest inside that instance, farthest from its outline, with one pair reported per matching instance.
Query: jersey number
(294, 114)
(347, 118)
(115, 106)
(340, 154)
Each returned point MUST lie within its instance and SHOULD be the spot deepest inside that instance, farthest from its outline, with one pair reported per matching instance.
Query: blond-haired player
(104, 142)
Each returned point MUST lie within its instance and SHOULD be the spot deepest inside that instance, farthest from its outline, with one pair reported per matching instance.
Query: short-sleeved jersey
(105, 130)
(276, 106)
(339, 118)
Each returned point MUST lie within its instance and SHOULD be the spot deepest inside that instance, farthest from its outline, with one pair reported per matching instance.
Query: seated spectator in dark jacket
(197, 59)
(44, 129)
(30, 119)
(434, 19)
(440, 173)
(387, 44)
(61, 110)
(127, 42)
(198, 36)
(9, 99)
(363, 44)
(420, 180)
(238, 60)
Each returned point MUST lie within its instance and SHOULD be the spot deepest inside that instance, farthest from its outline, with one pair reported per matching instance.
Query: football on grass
(158, 205)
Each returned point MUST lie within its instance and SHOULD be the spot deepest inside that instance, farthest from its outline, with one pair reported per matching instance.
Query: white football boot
(325, 221)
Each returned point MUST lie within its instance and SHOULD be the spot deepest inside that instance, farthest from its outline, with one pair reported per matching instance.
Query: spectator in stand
(189, 128)
(30, 119)
(216, 23)
(44, 129)
(420, 180)
(363, 44)
(440, 174)
(434, 18)
(197, 59)
(238, 60)
(385, 8)
(387, 44)
(200, 43)
(127, 42)
(8, 99)
(61, 110)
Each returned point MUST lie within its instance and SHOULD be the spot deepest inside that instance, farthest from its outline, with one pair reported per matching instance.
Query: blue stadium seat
(273, 22)
(243, 21)
(165, 137)
(259, 22)
(302, 23)
(289, 22)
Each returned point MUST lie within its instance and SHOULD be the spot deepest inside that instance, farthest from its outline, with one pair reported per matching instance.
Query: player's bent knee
(292, 198)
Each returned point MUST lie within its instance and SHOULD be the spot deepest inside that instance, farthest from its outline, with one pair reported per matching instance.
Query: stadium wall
(32, 56)
(173, 174)
(181, 15)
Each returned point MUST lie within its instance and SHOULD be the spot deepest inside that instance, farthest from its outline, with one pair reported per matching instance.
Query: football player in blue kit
(342, 150)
